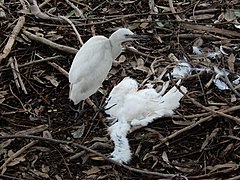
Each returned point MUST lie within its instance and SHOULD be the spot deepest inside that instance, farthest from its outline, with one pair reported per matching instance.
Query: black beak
(137, 37)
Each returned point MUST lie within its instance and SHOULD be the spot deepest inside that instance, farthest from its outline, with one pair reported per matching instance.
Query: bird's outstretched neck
(116, 47)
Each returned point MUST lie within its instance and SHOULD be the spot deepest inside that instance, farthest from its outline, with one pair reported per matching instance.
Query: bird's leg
(89, 101)
(79, 110)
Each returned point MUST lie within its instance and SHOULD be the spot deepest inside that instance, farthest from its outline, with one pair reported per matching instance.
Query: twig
(78, 12)
(173, 10)
(44, 3)
(34, 9)
(59, 68)
(164, 140)
(16, 74)
(10, 61)
(17, 98)
(50, 43)
(19, 79)
(237, 120)
(74, 28)
(94, 152)
(213, 111)
(131, 49)
(96, 145)
(35, 62)
(230, 84)
(12, 38)
(195, 6)
(223, 32)
(16, 154)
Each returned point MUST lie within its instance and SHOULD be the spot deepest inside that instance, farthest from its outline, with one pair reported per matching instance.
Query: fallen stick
(96, 153)
(50, 43)
(36, 61)
(16, 154)
(74, 28)
(12, 38)
(176, 133)
(19, 79)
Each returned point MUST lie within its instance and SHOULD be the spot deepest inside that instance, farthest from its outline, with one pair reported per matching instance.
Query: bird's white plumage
(136, 106)
(130, 106)
(118, 133)
(93, 62)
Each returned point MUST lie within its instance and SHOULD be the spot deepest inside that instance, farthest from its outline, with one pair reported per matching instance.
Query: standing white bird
(93, 62)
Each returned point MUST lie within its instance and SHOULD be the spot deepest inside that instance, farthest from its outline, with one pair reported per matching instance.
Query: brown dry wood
(201, 28)
(210, 117)
(12, 38)
(94, 152)
(50, 43)
(58, 57)
(16, 154)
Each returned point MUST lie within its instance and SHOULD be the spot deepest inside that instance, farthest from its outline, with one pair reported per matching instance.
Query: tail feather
(170, 101)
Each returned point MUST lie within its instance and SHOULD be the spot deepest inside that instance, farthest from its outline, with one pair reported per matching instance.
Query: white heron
(93, 62)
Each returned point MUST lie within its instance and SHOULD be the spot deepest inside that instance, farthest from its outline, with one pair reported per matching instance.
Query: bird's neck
(116, 49)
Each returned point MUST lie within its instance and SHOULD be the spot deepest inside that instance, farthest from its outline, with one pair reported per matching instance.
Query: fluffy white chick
(127, 104)
(132, 107)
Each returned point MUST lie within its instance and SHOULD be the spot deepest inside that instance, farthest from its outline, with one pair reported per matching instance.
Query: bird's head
(128, 85)
(122, 35)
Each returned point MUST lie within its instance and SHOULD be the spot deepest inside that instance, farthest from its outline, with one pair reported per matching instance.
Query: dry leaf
(122, 59)
(45, 169)
(17, 160)
(58, 177)
(2, 94)
(93, 170)
(78, 133)
(39, 173)
(47, 134)
(209, 138)
(97, 158)
(198, 42)
(229, 15)
(202, 16)
(231, 62)
(182, 123)
(165, 157)
(53, 80)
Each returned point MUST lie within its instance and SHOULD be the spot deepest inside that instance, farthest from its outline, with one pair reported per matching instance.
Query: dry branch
(94, 152)
(12, 38)
(59, 57)
(50, 43)
(74, 28)
(16, 154)
(16, 74)
(174, 11)
(223, 32)
(78, 12)
(166, 139)
(59, 68)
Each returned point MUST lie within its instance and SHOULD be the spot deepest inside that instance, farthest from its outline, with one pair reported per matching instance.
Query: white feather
(118, 133)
